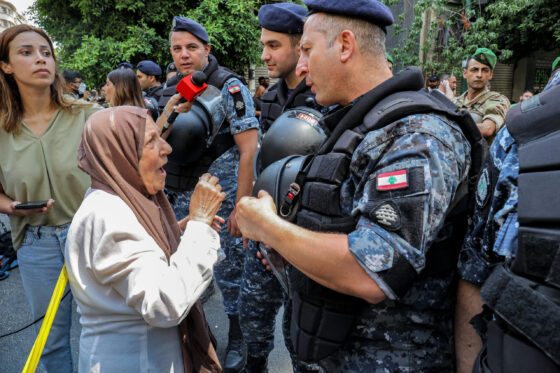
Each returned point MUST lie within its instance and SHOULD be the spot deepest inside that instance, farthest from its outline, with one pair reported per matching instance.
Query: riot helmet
(188, 136)
(193, 132)
(296, 131)
(278, 180)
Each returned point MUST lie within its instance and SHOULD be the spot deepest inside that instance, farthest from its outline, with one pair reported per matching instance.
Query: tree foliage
(93, 36)
(454, 30)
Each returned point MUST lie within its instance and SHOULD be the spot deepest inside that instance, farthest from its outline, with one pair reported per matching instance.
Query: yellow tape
(37, 350)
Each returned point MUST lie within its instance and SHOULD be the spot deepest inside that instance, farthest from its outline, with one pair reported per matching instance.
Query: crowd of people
(416, 227)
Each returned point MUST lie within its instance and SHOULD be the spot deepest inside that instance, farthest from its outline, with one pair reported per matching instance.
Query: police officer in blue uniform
(261, 294)
(515, 189)
(149, 75)
(282, 21)
(170, 71)
(125, 65)
(229, 156)
(371, 244)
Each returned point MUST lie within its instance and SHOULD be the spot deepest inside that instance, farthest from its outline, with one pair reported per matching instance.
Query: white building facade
(9, 16)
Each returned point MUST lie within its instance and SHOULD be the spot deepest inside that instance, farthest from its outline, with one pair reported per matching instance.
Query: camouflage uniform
(487, 105)
(413, 333)
(492, 238)
(260, 298)
(554, 81)
(227, 272)
(490, 246)
(261, 294)
(476, 261)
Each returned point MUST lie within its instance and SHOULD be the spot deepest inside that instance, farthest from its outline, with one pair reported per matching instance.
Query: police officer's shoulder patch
(234, 89)
(482, 193)
(392, 180)
(387, 214)
(239, 105)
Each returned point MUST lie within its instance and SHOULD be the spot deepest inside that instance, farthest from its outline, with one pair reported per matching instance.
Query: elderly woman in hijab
(135, 277)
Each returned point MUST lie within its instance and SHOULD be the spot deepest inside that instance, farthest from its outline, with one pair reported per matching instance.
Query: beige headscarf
(110, 152)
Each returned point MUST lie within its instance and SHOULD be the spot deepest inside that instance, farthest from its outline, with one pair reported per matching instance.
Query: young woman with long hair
(40, 130)
(123, 88)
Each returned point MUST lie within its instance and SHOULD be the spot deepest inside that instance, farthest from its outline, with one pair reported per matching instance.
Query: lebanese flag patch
(234, 89)
(392, 180)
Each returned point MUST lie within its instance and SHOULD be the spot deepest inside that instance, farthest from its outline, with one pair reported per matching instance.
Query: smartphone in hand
(31, 205)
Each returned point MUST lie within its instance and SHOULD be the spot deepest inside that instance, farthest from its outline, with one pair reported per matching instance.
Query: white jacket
(129, 297)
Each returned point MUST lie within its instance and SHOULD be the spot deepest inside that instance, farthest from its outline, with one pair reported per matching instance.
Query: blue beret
(187, 24)
(149, 67)
(125, 65)
(287, 18)
(369, 10)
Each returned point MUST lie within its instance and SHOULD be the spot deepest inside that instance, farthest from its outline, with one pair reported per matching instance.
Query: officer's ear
(346, 41)
(491, 74)
(207, 49)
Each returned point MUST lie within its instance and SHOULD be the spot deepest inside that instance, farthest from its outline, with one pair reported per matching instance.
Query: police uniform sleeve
(492, 230)
(496, 108)
(240, 109)
(554, 81)
(408, 183)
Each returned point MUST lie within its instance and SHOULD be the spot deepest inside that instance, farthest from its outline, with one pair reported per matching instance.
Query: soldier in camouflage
(396, 190)
(491, 238)
(488, 108)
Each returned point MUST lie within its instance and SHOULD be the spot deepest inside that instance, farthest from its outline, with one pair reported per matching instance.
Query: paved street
(14, 313)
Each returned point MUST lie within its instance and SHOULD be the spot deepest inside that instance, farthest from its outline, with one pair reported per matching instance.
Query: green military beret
(485, 56)
(390, 58)
(556, 63)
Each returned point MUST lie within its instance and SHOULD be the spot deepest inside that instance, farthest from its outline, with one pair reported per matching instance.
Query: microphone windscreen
(198, 78)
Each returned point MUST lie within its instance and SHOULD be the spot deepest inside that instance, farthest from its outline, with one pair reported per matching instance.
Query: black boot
(256, 365)
(236, 351)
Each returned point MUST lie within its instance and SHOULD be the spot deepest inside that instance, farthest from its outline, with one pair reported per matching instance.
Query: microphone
(190, 87)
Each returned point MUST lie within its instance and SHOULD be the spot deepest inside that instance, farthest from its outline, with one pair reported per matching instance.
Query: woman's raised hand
(216, 224)
(206, 199)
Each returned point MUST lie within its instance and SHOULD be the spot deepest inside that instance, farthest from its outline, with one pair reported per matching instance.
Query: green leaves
(233, 28)
(511, 28)
(93, 36)
(96, 57)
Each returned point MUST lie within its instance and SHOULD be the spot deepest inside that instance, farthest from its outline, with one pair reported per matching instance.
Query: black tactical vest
(155, 92)
(322, 319)
(275, 101)
(181, 177)
(524, 334)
